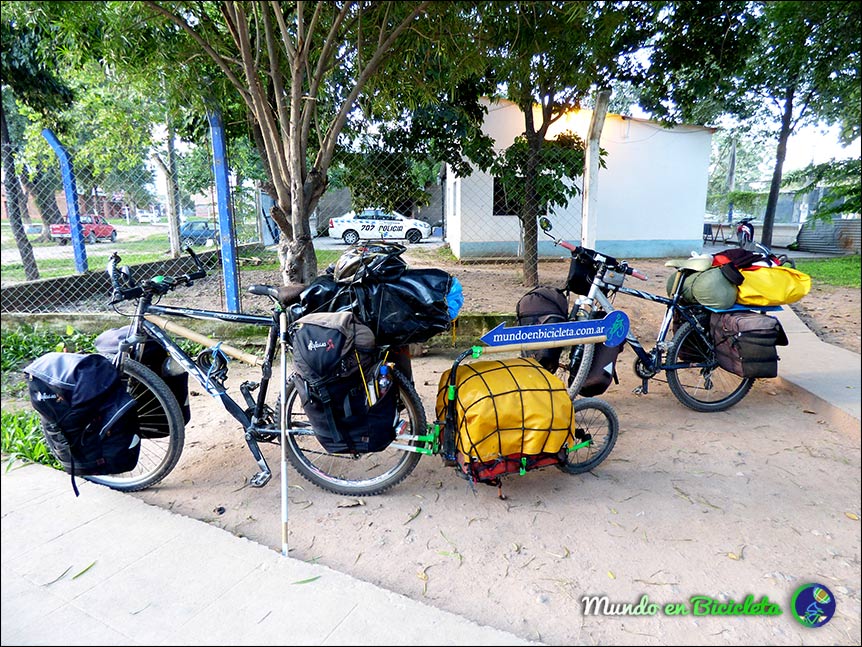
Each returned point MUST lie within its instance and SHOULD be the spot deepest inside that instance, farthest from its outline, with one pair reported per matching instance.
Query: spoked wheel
(162, 430)
(596, 430)
(704, 385)
(360, 475)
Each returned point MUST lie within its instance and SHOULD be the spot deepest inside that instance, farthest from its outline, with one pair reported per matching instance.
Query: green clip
(477, 351)
(452, 391)
(523, 469)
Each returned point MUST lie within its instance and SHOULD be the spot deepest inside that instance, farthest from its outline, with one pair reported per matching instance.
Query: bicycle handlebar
(157, 285)
(595, 256)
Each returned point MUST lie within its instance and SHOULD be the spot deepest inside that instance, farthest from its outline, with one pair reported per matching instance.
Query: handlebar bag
(745, 342)
(334, 360)
(89, 421)
(772, 286)
(154, 357)
(507, 416)
(543, 305)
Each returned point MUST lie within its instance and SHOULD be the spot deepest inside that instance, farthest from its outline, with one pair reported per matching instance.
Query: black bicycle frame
(250, 424)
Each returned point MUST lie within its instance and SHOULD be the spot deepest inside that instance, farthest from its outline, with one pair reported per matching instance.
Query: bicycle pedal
(260, 479)
(639, 390)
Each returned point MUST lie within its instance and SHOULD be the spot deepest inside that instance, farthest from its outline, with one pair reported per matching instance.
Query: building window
(505, 204)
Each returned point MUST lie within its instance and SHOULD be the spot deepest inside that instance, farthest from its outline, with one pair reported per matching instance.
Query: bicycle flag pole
(612, 330)
(282, 322)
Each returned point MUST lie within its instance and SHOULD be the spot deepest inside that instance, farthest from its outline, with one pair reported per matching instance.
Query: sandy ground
(757, 500)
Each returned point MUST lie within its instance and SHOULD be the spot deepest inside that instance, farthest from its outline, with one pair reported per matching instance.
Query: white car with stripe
(377, 224)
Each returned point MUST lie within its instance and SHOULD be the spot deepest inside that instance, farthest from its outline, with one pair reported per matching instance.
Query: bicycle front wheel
(349, 474)
(579, 361)
(162, 430)
(596, 430)
(703, 385)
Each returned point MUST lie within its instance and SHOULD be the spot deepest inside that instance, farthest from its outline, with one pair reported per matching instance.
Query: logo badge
(813, 605)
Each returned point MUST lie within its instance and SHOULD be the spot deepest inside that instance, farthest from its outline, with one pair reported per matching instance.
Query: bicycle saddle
(286, 295)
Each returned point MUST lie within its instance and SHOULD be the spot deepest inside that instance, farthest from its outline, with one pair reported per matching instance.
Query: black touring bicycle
(149, 359)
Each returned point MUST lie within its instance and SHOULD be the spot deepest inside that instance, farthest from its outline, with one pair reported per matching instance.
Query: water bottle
(384, 381)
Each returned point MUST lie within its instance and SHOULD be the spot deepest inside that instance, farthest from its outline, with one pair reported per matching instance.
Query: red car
(94, 228)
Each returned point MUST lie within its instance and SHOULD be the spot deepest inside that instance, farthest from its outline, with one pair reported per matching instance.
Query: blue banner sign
(614, 328)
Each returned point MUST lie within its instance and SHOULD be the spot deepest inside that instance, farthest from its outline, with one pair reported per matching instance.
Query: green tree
(783, 63)
(547, 57)
(34, 82)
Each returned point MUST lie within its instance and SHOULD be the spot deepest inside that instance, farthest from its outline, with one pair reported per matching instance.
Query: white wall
(651, 200)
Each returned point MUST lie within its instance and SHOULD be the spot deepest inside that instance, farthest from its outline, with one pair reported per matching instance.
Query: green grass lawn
(843, 271)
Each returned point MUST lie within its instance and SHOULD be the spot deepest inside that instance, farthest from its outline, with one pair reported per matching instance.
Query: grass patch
(843, 271)
(22, 439)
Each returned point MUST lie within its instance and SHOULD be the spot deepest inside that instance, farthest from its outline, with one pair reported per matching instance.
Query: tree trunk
(13, 196)
(780, 154)
(529, 213)
(42, 188)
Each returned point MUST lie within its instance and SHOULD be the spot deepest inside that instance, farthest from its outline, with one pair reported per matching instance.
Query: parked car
(377, 223)
(197, 232)
(93, 229)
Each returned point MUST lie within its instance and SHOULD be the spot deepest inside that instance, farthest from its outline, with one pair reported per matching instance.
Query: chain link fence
(148, 215)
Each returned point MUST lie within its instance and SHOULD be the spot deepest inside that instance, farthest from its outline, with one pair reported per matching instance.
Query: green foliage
(23, 344)
(22, 439)
(843, 271)
(555, 164)
(841, 177)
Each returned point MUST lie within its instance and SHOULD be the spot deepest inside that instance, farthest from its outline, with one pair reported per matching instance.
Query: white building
(651, 196)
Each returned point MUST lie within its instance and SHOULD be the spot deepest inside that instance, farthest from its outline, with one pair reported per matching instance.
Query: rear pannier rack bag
(508, 415)
(745, 342)
(336, 376)
(89, 420)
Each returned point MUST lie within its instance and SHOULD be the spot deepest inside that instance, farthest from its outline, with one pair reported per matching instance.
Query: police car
(376, 224)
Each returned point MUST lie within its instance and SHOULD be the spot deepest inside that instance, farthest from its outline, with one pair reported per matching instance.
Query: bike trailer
(745, 342)
(89, 421)
(543, 305)
(506, 416)
(155, 358)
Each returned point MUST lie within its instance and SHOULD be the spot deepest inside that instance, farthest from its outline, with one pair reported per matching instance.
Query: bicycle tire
(159, 413)
(593, 416)
(349, 475)
(579, 357)
(706, 388)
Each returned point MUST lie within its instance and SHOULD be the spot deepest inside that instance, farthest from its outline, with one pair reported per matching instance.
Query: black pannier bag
(745, 342)
(89, 421)
(543, 305)
(602, 372)
(408, 308)
(154, 357)
(334, 357)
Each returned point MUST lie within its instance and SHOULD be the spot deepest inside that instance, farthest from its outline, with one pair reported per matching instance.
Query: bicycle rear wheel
(348, 474)
(704, 385)
(596, 430)
(162, 430)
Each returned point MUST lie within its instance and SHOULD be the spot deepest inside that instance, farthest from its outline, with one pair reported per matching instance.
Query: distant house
(651, 196)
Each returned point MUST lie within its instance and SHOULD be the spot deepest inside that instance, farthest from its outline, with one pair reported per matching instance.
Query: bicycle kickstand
(265, 474)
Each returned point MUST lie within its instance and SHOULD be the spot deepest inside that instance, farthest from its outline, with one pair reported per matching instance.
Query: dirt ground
(757, 500)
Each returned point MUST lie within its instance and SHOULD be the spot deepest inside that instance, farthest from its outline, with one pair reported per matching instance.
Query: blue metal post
(227, 235)
(71, 189)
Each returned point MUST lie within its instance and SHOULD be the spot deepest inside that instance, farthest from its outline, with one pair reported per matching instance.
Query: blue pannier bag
(89, 420)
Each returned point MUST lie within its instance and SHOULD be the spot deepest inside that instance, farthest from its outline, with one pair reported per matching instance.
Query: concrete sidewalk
(107, 569)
